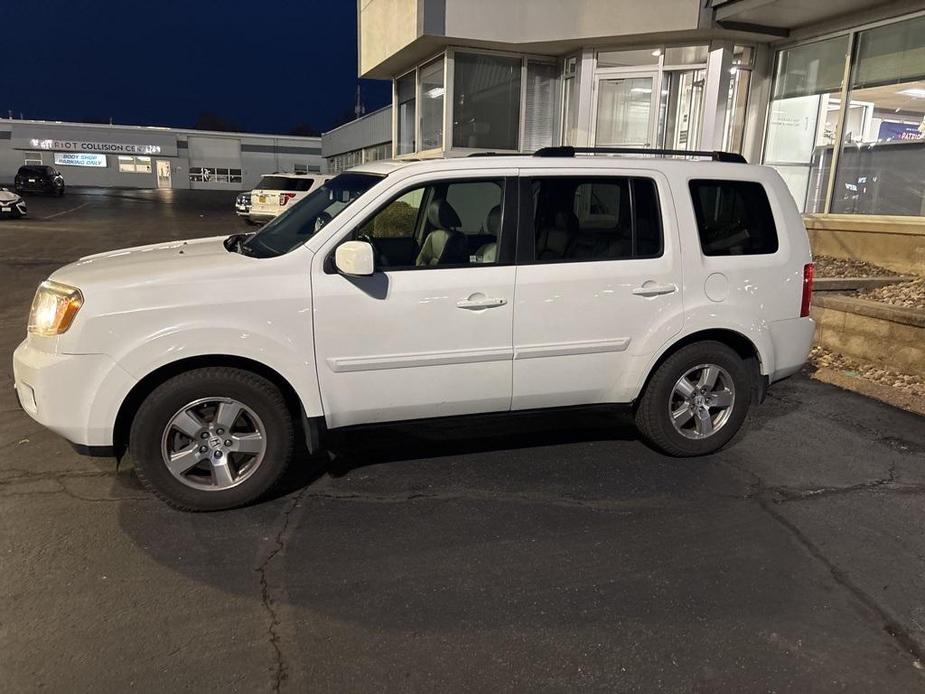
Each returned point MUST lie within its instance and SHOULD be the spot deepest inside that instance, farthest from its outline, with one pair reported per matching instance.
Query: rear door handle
(483, 302)
(653, 289)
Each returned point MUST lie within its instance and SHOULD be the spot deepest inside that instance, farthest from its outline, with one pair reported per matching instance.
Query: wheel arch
(741, 344)
(148, 383)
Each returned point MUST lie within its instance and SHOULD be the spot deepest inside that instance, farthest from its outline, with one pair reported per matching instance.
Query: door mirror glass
(355, 258)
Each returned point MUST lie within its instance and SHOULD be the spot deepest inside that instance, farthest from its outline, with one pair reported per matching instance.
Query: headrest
(441, 215)
(493, 221)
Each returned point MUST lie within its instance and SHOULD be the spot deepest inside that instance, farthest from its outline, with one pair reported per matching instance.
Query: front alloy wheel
(213, 443)
(212, 438)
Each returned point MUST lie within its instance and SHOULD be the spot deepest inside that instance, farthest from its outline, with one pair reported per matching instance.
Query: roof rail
(569, 151)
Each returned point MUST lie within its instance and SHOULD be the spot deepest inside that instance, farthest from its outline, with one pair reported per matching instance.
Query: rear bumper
(75, 395)
(792, 340)
(262, 216)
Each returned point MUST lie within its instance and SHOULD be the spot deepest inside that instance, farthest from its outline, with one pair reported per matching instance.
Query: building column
(585, 95)
(716, 95)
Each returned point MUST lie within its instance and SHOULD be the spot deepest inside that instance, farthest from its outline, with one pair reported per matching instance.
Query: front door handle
(474, 303)
(652, 289)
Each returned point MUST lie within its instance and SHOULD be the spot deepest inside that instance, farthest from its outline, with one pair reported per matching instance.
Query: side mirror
(355, 258)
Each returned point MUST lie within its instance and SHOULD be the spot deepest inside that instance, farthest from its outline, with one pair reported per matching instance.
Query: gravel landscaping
(908, 294)
(828, 266)
(822, 358)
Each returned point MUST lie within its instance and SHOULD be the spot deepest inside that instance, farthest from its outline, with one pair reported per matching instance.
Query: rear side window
(612, 218)
(733, 218)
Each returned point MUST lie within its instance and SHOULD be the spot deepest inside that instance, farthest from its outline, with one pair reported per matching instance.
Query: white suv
(278, 192)
(427, 289)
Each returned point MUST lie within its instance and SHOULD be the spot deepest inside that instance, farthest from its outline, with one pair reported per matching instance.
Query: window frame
(526, 236)
(507, 232)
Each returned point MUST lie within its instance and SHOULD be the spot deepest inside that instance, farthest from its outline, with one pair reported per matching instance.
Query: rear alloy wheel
(212, 438)
(696, 401)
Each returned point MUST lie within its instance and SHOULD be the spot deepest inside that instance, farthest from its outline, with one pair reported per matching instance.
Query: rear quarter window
(733, 218)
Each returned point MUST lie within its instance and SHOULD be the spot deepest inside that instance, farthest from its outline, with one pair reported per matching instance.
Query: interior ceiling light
(915, 93)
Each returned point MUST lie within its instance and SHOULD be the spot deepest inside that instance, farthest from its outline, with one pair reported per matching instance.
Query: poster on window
(899, 131)
(80, 159)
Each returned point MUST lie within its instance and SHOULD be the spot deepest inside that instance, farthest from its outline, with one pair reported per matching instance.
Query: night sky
(265, 66)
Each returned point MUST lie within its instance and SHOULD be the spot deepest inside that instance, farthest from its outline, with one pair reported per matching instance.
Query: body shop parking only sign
(94, 147)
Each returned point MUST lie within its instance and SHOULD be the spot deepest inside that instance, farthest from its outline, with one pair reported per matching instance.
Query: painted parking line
(58, 214)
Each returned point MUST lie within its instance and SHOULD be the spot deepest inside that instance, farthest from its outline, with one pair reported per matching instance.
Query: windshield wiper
(235, 242)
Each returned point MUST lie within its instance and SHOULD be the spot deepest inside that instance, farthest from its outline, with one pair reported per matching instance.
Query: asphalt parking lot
(537, 552)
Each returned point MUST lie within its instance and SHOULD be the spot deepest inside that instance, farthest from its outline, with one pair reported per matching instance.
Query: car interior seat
(445, 244)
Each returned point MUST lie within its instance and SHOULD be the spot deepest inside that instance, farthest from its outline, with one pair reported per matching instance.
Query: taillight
(807, 290)
(285, 197)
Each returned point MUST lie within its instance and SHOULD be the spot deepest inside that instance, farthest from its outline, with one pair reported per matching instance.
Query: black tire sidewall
(652, 414)
(164, 401)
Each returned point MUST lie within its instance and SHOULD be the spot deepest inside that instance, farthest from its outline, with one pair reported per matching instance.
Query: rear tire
(696, 401)
(228, 433)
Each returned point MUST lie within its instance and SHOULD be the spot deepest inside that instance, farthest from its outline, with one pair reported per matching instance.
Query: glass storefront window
(680, 109)
(624, 107)
(686, 55)
(486, 101)
(881, 165)
(646, 56)
(570, 102)
(541, 109)
(737, 99)
(432, 94)
(405, 100)
(803, 117)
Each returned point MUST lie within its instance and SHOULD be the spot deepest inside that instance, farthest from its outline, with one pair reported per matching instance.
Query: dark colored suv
(39, 179)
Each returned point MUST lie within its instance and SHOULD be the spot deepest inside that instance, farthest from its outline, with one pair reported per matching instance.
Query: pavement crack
(894, 629)
(280, 668)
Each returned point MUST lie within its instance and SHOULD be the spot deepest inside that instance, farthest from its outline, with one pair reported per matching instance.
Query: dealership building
(831, 94)
(152, 157)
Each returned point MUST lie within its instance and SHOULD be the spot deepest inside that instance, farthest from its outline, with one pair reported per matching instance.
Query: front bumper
(75, 395)
(17, 209)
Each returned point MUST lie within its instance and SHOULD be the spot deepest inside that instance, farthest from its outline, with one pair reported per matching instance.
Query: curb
(846, 380)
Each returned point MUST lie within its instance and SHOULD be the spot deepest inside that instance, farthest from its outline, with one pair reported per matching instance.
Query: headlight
(54, 308)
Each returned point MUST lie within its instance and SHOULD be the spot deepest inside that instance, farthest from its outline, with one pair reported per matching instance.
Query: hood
(7, 196)
(155, 263)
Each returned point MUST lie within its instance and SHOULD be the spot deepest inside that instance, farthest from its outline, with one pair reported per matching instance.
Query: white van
(278, 192)
(425, 289)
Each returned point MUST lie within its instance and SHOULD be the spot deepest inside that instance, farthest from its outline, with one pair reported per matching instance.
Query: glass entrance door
(627, 106)
(163, 174)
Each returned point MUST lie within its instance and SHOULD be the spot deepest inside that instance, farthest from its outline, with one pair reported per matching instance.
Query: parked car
(39, 179)
(242, 205)
(408, 290)
(278, 192)
(12, 206)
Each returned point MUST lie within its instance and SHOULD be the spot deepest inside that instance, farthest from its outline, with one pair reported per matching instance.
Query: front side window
(733, 218)
(601, 218)
(303, 220)
(443, 224)
(486, 101)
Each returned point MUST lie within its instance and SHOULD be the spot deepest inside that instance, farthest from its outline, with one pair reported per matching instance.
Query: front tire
(696, 401)
(211, 439)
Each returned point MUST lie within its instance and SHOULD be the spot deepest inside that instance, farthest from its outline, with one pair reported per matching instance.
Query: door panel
(429, 334)
(582, 321)
(397, 346)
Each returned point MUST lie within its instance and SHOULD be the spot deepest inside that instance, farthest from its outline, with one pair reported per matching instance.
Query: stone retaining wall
(897, 243)
(890, 335)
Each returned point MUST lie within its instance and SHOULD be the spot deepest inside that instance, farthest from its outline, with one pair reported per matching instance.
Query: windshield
(298, 224)
(285, 183)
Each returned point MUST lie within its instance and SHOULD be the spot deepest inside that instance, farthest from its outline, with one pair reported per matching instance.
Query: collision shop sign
(80, 159)
(94, 147)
